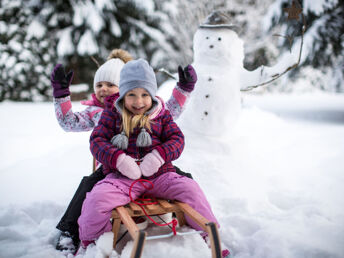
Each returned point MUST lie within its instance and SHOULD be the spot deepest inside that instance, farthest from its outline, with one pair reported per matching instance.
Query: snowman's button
(210, 79)
(206, 113)
(207, 96)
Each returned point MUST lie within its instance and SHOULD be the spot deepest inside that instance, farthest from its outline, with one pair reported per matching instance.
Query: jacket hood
(159, 109)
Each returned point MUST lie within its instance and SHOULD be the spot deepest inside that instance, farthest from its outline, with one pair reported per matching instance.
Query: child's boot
(83, 246)
(67, 243)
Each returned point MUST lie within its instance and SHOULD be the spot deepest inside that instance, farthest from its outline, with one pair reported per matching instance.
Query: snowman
(215, 103)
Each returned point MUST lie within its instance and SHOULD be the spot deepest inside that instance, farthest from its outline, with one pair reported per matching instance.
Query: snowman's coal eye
(219, 39)
(207, 37)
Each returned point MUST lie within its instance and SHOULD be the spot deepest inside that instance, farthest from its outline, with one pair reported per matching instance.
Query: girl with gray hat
(136, 138)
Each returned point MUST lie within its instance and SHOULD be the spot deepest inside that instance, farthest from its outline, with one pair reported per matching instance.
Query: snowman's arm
(265, 74)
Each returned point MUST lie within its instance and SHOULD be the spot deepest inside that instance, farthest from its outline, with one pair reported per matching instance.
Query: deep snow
(275, 185)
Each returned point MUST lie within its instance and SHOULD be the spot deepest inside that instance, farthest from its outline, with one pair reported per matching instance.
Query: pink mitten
(151, 163)
(128, 167)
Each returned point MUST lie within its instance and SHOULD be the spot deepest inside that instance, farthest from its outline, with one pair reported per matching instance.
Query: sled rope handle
(139, 201)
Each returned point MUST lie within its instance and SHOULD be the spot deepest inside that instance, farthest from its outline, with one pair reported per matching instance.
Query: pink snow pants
(112, 192)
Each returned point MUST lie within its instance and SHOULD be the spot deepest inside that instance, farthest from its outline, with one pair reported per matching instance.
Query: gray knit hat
(137, 74)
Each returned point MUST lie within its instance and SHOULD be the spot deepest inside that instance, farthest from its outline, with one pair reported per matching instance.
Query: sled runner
(125, 214)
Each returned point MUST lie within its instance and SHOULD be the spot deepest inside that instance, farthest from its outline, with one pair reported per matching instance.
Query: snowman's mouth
(211, 46)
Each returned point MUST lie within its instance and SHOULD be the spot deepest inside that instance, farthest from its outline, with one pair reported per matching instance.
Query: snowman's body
(215, 103)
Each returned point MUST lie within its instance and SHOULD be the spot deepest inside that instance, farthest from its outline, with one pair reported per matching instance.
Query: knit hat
(137, 74)
(109, 72)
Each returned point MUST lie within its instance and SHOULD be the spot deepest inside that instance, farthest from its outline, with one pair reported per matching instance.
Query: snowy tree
(35, 35)
(323, 47)
(26, 54)
(99, 26)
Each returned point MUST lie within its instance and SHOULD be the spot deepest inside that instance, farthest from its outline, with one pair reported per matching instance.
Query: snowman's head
(219, 46)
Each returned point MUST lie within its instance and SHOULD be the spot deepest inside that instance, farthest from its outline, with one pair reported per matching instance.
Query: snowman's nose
(211, 46)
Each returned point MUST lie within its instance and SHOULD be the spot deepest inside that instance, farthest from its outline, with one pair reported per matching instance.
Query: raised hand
(187, 78)
(60, 81)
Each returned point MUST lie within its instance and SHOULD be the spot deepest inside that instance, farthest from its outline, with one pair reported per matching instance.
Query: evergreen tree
(323, 40)
(72, 31)
(26, 54)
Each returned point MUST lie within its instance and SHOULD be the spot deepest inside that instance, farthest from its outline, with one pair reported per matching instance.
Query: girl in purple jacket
(105, 84)
(136, 128)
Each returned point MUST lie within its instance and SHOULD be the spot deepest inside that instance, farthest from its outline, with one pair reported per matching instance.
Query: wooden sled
(125, 214)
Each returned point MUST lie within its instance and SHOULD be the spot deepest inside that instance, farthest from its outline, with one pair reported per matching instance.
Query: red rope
(144, 201)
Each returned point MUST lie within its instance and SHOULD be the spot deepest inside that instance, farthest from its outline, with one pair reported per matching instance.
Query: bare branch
(276, 76)
(95, 60)
(163, 70)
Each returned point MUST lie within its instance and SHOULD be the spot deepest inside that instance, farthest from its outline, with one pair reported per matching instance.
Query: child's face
(137, 101)
(104, 89)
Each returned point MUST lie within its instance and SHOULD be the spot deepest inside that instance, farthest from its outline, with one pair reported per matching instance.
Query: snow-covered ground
(276, 185)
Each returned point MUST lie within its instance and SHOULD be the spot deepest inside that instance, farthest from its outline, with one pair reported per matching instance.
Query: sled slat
(153, 208)
(135, 208)
(166, 205)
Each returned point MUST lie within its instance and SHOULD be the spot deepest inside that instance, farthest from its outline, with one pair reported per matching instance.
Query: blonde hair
(130, 122)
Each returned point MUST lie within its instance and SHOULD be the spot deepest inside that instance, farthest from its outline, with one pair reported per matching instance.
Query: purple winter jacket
(167, 139)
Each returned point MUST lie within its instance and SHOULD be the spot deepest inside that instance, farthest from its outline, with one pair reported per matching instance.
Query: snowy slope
(275, 184)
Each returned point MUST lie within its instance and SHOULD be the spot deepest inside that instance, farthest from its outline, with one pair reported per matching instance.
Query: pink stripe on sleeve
(65, 107)
(181, 98)
(95, 112)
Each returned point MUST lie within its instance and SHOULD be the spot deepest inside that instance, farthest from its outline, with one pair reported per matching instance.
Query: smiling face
(137, 101)
(104, 89)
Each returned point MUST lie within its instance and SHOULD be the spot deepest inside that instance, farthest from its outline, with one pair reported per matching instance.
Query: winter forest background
(37, 34)
(275, 182)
